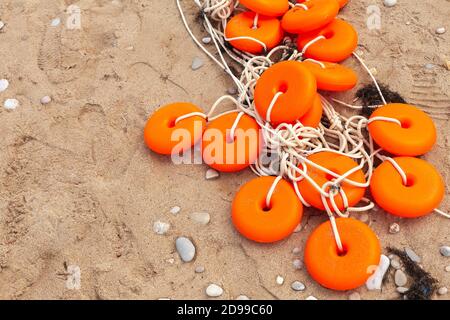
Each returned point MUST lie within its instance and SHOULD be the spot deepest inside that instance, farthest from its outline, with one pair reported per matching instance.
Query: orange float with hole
(345, 270)
(164, 135)
(270, 8)
(295, 86)
(332, 76)
(422, 193)
(264, 224)
(228, 151)
(267, 31)
(338, 164)
(339, 42)
(415, 136)
(319, 14)
(313, 116)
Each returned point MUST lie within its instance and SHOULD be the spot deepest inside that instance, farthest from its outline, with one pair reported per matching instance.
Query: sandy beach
(79, 189)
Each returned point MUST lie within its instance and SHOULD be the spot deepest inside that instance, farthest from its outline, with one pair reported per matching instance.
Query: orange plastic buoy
(334, 77)
(163, 136)
(422, 193)
(342, 3)
(338, 164)
(415, 136)
(270, 8)
(297, 85)
(319, 14)
(268, 31)
(349, 269)
(258, 223)
(230, 154)
(340, 41)
(313, 116)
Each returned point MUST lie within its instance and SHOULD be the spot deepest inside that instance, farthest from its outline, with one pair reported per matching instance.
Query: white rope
(271, 105)
(271, 190)
(310, 43)
(234, 126)
(188, 115)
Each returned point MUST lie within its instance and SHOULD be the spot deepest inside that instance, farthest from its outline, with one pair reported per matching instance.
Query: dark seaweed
(369, 96)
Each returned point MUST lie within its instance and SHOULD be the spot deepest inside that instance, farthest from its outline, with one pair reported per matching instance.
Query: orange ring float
(268, 31)
(338, 164)
(258, 223)
(420, 196)
(298, 86)
(319, 13)
(350, 269)
(270, 8)
(313, 116)
(160, 132)
(334, 77)
(340, 41)
(414, 137)
(222, 154)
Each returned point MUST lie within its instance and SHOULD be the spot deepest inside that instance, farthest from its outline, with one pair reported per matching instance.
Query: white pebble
(199, 269)
(160, 227)
(11, 104)
(197, 63)
(400, 278)
(375, 280)
(412, 255)
(445, 251)
(311, 298)
(211, 174)
(447, 268)
(175, 210)
(364, 217)
(440, 30)
(298, 264)
(242, 297)
(296, 250)
(2, 24)
(185, 249)
(298, 286)
(213, 290)
(442, 291)
(395, 264)
(200, 217)
(402, 290)
(390, 3)
(4, 84)
(206, 40)
(394, 228)
(354, 296)
(55, 22)
(46, 100)
(280, 280)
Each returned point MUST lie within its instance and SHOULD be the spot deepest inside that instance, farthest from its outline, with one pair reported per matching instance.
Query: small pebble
(390, 3)
(364, 217)
(298, 286)
(442, 291)
(298, 264)
(160, 227)
(394, 228)
(211, 174)
(402, 290)
(429, 66)
(376, 279)
(232, 91)
(197, 63)
(185, 249)
(374, 71)
(296, 250)
(311, 298)
(354, 296)
(171, 260)
(445, 251)
(213, 290)
(400, 278)
(2, 24)
(46, 100)
(298, 228)
(242, 297)
(206, 40)
(11, 104)
(447, 268)
(395, 264)
(55, 22)
(412, 255)
(280, 280)
(447, 64)
(175, 210)
(440, 30)
(200, 217)
(4, 84)
(199, 269)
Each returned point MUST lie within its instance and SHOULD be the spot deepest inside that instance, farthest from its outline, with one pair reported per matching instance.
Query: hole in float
(344, 251)
(328, 34)
(171, 123)
(283, 87)
(409, 181)
(406, 123)
(266, 208)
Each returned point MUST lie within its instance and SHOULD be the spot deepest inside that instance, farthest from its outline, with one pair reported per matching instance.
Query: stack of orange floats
(287, 93)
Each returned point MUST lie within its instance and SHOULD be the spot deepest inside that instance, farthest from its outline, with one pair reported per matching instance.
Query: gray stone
(160, 227)
(390, 3)
(4, 84)
(46, 100)
(440, 30)
(201, 217)
(442, 291)
(199, 269)
(445, 251)
(298, 286)
(211, 174)
(402, 290)
(197, 63)
(298, 264)
(296, 250)
(11, 104)
(412, 255)
(175, 210)
(206, 40)
(447, 268)
(213, 290)
(400, 278)
(395, 264)
(394, 228)
(185, 249)
(242, 297)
